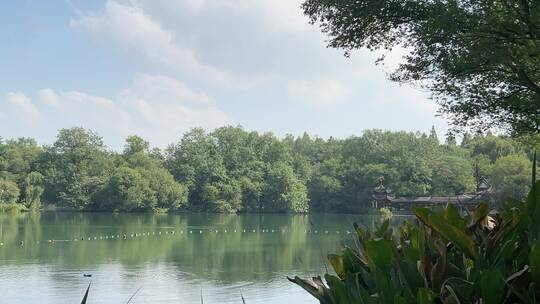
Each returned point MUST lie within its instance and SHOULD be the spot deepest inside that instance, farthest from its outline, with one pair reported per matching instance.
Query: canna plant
(442, 257)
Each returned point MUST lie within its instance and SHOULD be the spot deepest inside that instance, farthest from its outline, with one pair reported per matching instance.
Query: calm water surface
(171, 258)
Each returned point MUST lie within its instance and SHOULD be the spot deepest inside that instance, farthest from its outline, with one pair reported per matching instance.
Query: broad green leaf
(337, 263)
(535, 262)
(421, 239)
(384, 289)
(408, 278)
(338, 290)
(315, 287)
(452, 295)
(356, 290)
(449, 232)
(438, 271)
(421, 213)
(360, 232)
(492, 286)
(533, 210)
(368, 279)
(451, 215)
(478, 215)
(425, 296)
(504, 252)
(383, 228)
(346, 264)
(399, 300)
(380, 253)
(353, 263)
(534, 169)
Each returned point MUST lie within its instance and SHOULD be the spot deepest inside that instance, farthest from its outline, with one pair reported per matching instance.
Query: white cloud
(49, 97)
(264, 47)
(273, 15)
(131, 28)
(282, 15)
(165, 88)
(164, 107)
(321, 92)
(156, 107)
(22, 104)
(406, 98)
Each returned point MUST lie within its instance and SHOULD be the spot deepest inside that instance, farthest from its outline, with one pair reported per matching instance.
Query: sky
(157, 68)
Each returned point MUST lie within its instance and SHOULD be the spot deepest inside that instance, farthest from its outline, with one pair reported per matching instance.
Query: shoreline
(47, 209)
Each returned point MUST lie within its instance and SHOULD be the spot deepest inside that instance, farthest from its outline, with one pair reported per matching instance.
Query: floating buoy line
(192, 231)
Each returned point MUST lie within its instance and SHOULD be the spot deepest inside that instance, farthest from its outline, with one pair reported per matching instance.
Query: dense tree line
(233, 170)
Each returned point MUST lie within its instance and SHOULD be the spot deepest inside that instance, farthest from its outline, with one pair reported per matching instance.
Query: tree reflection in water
(194, 248)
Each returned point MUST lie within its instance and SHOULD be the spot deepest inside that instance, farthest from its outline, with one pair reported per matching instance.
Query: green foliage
(75, 167)
(140, 183)
(12, 207)
(478, 58)
(454, 174)
(170, 194)
(441, 258)
(232, 170)
(494, 147)
(136, 144)
(224, 196)
(284, 192)
(18, 158)
(511, 176)
(9, 192)
(33, 188)
(326, 187)
(127, 190)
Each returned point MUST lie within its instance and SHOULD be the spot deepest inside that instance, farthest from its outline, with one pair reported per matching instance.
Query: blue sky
(159, 67)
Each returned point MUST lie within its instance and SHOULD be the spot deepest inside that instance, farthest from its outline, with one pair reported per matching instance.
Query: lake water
(168, 258)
